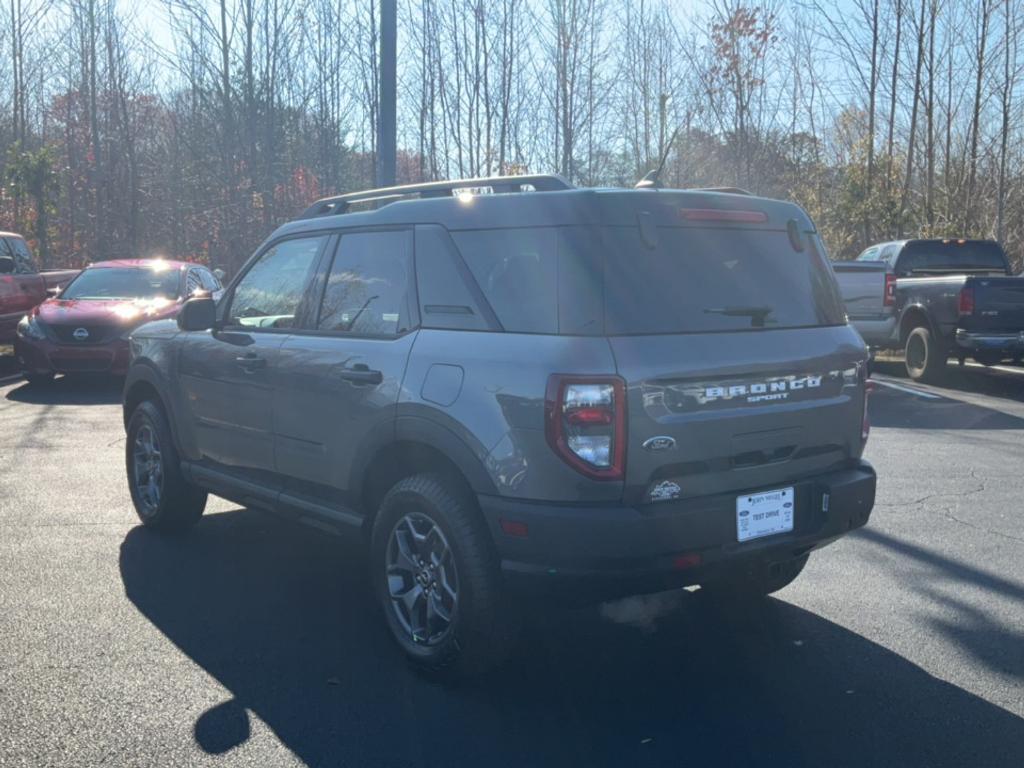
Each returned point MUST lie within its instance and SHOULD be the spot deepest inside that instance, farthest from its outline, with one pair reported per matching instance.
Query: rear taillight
(586, 423)
(966, 305)
(890, 291)
(865, 425)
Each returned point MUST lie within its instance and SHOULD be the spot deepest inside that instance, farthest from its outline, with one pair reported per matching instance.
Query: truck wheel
(925, 361)
(436, 577)
(756, 584)
(163, 499)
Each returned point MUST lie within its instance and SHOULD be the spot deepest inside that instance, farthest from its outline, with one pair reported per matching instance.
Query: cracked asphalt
(251, 642)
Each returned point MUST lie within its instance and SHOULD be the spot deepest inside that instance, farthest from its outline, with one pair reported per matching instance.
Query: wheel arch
(913, 316)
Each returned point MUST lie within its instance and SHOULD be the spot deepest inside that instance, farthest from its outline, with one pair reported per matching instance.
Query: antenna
(653, 179)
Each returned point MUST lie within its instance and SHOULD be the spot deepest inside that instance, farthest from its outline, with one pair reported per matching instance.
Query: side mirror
(198, 314)
(6, 265)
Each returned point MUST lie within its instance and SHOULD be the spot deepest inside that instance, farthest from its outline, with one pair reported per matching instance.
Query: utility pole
(662, 122)
(387, 122)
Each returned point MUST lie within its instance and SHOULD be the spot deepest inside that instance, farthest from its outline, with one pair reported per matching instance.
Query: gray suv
(510, 387)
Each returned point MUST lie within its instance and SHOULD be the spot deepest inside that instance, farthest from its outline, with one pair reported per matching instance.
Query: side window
(23, 262)
(193, 283)
(447, 298)
(889, 254)
(517, 270)
(209, 281)
(871, 254)
(367, 290)
(269, 294)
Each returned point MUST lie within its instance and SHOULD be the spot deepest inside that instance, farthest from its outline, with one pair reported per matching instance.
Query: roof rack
(338, 204)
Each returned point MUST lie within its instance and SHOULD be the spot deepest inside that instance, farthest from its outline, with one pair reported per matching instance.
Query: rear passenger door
(340, 375)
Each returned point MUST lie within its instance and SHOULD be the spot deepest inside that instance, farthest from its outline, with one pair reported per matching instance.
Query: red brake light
(966, 305)
(717, 214)
(585, 423)
(890, 290)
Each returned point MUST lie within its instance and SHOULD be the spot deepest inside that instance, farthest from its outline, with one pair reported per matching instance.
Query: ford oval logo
(80, 334)
(659, 443)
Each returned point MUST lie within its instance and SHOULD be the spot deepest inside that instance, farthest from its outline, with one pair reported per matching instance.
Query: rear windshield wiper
(757, 315)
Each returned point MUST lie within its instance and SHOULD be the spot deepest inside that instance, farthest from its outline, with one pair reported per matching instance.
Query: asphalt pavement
(251, 641)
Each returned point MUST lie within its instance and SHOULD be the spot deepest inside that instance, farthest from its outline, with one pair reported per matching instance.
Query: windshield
(125, 283)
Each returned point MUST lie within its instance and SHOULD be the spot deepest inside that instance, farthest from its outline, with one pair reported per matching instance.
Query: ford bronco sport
(511, 382)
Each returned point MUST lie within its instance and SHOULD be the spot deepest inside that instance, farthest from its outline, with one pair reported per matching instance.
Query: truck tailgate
(998, 305)
(862, 284)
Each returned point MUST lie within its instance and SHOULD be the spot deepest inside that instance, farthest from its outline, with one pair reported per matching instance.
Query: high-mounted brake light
(889, 298)
(966, 303)
(717, 214)
(585, 423)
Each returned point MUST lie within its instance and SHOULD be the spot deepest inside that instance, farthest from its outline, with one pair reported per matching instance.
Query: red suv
(85, 328)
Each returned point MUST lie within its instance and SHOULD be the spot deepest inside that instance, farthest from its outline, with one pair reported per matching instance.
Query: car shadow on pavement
(278, 615)
(888, 408)
(70, 390)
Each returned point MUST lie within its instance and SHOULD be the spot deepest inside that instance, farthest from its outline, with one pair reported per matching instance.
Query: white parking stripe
(9, 379)
(901, 388)
(1003, 368)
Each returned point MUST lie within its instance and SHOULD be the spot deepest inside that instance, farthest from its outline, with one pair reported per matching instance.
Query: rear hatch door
(862, 285)
(741, 371)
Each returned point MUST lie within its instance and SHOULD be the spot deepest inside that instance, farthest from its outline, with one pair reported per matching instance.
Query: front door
(229, 375)
(340, 377)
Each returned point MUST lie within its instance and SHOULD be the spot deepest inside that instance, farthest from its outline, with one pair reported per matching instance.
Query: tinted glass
(698, 280)
(517, 270)
(23, 262)
(368, 285)
(447, 298)
(125, 283)
(193, 283)
(269, 294)
(871, 254)
(209, 281)
(951, 256)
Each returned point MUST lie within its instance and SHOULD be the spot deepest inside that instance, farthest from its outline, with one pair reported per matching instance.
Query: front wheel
(437, 579)
(163, 499)
(924, 358)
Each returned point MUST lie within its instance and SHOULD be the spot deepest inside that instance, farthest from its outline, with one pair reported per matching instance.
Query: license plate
(764, 514)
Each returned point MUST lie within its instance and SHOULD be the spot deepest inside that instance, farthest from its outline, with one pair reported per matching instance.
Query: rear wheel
(924, 359)
(163, 499)
(758, 582)
(437, 579)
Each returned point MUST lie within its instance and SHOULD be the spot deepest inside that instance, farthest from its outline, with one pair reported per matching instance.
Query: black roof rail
(337, 204)
(724, 190)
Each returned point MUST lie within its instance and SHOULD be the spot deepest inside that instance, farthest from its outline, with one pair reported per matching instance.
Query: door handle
(361, 374)
(251, 363)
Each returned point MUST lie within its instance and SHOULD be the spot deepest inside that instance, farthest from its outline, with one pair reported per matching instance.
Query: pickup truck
(22, 286)
(936, 299)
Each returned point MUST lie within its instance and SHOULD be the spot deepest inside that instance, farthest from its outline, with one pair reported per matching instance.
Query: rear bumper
(623, 550)
(1011, 342)
(48, 357)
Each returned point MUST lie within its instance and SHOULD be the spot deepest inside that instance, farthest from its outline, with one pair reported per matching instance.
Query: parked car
(936, 299)
(22, 286)
(530, 387)
(86, 327)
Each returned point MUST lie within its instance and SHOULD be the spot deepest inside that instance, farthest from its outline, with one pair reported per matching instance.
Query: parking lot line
(9, 379)
(909, 390)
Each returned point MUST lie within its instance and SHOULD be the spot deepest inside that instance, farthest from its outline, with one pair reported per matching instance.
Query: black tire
(38, 379)
(178, 504)
(483, 624)
(924, 359)
(756, 583)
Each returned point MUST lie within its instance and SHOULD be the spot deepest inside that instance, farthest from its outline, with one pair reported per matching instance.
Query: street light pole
(386, 116)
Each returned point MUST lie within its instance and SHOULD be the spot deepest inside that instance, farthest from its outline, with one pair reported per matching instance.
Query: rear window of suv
(608, 280)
